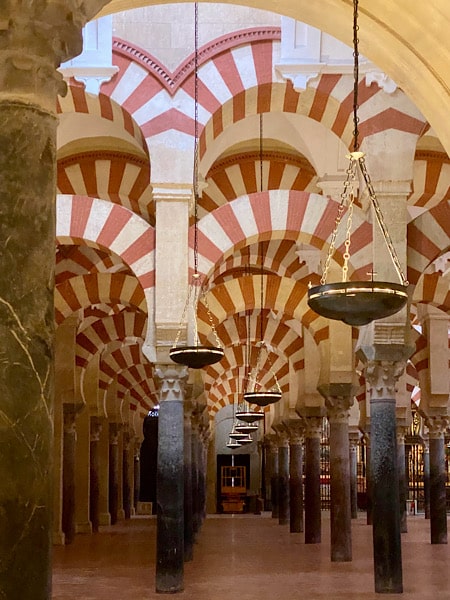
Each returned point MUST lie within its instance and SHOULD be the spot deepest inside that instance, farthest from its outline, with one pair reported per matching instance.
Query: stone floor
(245, 557)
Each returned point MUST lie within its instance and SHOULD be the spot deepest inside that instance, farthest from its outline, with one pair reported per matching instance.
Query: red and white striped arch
(108, 226)
(431, 179)
(160, 100)
(328, 100)
(433, 289)
(278, 214)
(282, 295)
(240, 174)
(84, 291)
(120, 177)
(428, 237)
(77, 100)
(124, 326)
(279, 256)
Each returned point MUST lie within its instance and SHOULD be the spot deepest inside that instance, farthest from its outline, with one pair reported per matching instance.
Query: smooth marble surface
(247, 557)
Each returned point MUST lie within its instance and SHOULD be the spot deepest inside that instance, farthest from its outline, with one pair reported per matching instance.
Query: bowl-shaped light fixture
(196, 357)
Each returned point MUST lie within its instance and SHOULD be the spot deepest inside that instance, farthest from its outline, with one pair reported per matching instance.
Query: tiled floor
(245, 557)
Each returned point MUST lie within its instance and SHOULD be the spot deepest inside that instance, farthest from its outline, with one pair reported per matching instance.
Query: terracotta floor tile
(245, 557)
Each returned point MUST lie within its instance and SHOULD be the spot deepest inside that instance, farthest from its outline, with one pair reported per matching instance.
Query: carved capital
(401, 433)
(313, 427)
(338, 408)
(114, 429)
(37, 38)
(172, 380)
(296, 431)
(382, 376)
(70, 414)
(95, 429)
(437, 426)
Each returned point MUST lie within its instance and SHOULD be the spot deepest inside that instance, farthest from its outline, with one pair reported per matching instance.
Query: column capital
(96, 428)
(339, 398)
(313, 427)
(382, 376)
(437, 426)
(402, 432)
(271, 443)
(114, 430)
(296, 431)
(41, 35)
(172, 379)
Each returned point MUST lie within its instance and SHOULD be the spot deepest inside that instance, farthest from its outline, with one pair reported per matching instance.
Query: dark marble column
(68, 487)
(170, 480)
(203, 440)
(296, 477)
(353, 439)
(94, 478)
(283, 478)
(438, 504)
(137, 476)
(338, 409)
(382, 376)
(273, 456)
(313, 516)
(188, 492)
(369, 516)
(426, 477)
(268, 473)
(113, 479)
(32, 47)
(195, 476)
(126, 474)
(402, 483)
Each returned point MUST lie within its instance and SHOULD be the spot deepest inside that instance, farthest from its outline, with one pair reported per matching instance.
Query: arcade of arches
(96, 164)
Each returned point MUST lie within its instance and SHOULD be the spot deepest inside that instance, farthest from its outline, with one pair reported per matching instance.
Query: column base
(59, 539)
(121, 514)
(83, 527)
(104, 519)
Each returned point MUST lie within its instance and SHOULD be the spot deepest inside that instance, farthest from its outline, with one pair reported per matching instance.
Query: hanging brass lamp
(196, 356)
(357, 303)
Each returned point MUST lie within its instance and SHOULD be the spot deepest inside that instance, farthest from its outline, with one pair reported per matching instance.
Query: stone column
(268, 475)
(195, 475)
(188, 492)
(94, 479)
(353, 440)
(82, 473)
(382, 376)
(402, 483)
(68, 488)
(204, 439)
(313, 517)
(296, 430)
(103, 470)
(273, 459)
(170, 480)
(113, 487)
(35, 39)
(127, 474)
(369, 516)
(283, 478)
(137, 476)
(426, 477)
(438, 475)
(338, 400)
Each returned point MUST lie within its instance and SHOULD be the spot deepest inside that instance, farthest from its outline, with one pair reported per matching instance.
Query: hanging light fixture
(244, 412)
(196, 356)
(233, 444)
(255, 394)
(246, 440)
(357, 303)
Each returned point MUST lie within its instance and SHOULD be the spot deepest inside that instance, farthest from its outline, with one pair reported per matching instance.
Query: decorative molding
(382, 376)
(173, 80)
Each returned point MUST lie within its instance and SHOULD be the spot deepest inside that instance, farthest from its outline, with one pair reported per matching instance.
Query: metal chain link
(348, 189)
(381, 223)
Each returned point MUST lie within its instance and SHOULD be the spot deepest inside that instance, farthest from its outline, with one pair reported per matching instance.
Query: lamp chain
(196, 167)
